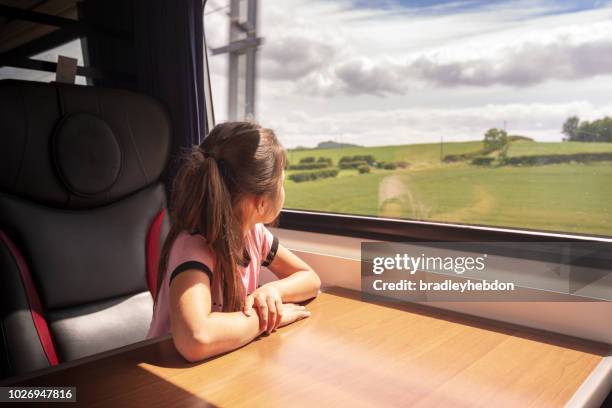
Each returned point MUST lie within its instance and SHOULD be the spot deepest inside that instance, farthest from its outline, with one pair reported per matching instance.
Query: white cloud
(291, 57)
(529, 64)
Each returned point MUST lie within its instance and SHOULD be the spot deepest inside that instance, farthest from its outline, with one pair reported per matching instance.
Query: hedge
(387, 165)
(368, 158)
(467, 156)
(483, 160)
(327, 160)
(313, 175)
(308, 166)
(309, 159)
(556, 158)
(352, 164)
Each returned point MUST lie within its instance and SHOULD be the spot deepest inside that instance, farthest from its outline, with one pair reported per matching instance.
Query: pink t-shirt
(261, 248)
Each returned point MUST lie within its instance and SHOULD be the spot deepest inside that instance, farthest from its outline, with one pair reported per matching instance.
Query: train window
(481, 113)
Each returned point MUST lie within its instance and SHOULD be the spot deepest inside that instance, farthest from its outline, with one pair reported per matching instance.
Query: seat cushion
(123, 320)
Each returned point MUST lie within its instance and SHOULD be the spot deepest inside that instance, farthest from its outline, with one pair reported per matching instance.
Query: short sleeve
(185, 266)
(189, 252)
(269, 246)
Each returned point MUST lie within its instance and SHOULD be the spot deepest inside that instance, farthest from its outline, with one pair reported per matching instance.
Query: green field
(570, 197)
(525, 148)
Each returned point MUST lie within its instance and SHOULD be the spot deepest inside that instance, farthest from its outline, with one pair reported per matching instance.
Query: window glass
(472, 112)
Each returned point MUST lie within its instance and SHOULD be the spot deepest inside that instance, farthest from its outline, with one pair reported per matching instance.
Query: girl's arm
(297, 280)
(197, 333)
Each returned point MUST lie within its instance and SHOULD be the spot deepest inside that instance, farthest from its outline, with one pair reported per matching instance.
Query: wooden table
(348, 353)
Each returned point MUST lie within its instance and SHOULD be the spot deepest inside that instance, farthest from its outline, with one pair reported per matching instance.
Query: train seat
(82, 219)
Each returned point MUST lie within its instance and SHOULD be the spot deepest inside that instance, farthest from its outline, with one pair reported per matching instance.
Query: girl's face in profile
(275, 208)
(270, 208)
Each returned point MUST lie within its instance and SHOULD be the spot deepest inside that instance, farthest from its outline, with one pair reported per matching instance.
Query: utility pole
(242, 50)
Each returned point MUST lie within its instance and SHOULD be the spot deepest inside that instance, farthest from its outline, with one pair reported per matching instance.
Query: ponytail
(222, 227)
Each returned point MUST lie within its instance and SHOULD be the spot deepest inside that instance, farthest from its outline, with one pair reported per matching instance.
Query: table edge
(595, 388)
(83, 360)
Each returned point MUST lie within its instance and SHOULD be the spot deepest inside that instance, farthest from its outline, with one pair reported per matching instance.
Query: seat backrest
(82, 219)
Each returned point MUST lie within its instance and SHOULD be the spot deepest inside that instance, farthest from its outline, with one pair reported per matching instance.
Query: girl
(228, 187)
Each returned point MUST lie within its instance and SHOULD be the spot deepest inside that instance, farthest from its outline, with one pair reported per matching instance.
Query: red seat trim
(44, 335)
(153, 251)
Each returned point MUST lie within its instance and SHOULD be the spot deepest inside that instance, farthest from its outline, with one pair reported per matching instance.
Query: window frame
(403, 230)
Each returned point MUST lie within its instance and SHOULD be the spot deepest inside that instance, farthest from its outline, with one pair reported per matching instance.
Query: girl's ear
(260, 205)
(256, 205)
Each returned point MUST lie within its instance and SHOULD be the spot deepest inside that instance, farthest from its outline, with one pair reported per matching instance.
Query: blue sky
(457, 6)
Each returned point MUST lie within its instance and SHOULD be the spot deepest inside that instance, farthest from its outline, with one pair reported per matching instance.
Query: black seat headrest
(72, 146)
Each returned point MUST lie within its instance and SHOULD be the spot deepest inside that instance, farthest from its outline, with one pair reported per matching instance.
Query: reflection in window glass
(478, 112)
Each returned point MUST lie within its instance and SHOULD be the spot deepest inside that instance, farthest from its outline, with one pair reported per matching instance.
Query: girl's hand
(292, 313)
(269, 304)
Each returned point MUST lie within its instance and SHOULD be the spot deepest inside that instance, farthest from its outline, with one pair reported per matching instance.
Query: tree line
(599, 130)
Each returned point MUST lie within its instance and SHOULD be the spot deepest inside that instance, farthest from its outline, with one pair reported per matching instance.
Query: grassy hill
(416, 153)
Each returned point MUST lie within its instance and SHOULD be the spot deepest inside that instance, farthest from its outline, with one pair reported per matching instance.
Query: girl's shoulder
(190, 247)
(266, 242)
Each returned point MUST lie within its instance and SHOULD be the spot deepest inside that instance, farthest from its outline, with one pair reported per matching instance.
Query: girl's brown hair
(235, 160)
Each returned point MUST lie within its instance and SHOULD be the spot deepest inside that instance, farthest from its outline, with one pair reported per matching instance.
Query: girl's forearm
(298, 286)
(220, 333)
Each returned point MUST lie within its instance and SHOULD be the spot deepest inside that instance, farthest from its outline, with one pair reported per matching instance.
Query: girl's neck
(246, 228)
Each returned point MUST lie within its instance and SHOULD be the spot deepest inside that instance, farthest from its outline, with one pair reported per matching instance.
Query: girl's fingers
(279, 313)
(262, 306)
(248, 305)
(272, 314)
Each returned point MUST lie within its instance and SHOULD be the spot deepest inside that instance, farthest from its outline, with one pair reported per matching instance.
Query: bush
(352, 164)
(369, 159)
(326, 160)
(309, 159)
(495, 139)
(482, 160)
(313, 175)
(392, 165)
(308, 166)
(363, 169)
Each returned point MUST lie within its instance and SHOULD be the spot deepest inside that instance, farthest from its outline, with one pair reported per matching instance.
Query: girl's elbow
(194, 347)
(317, 283)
